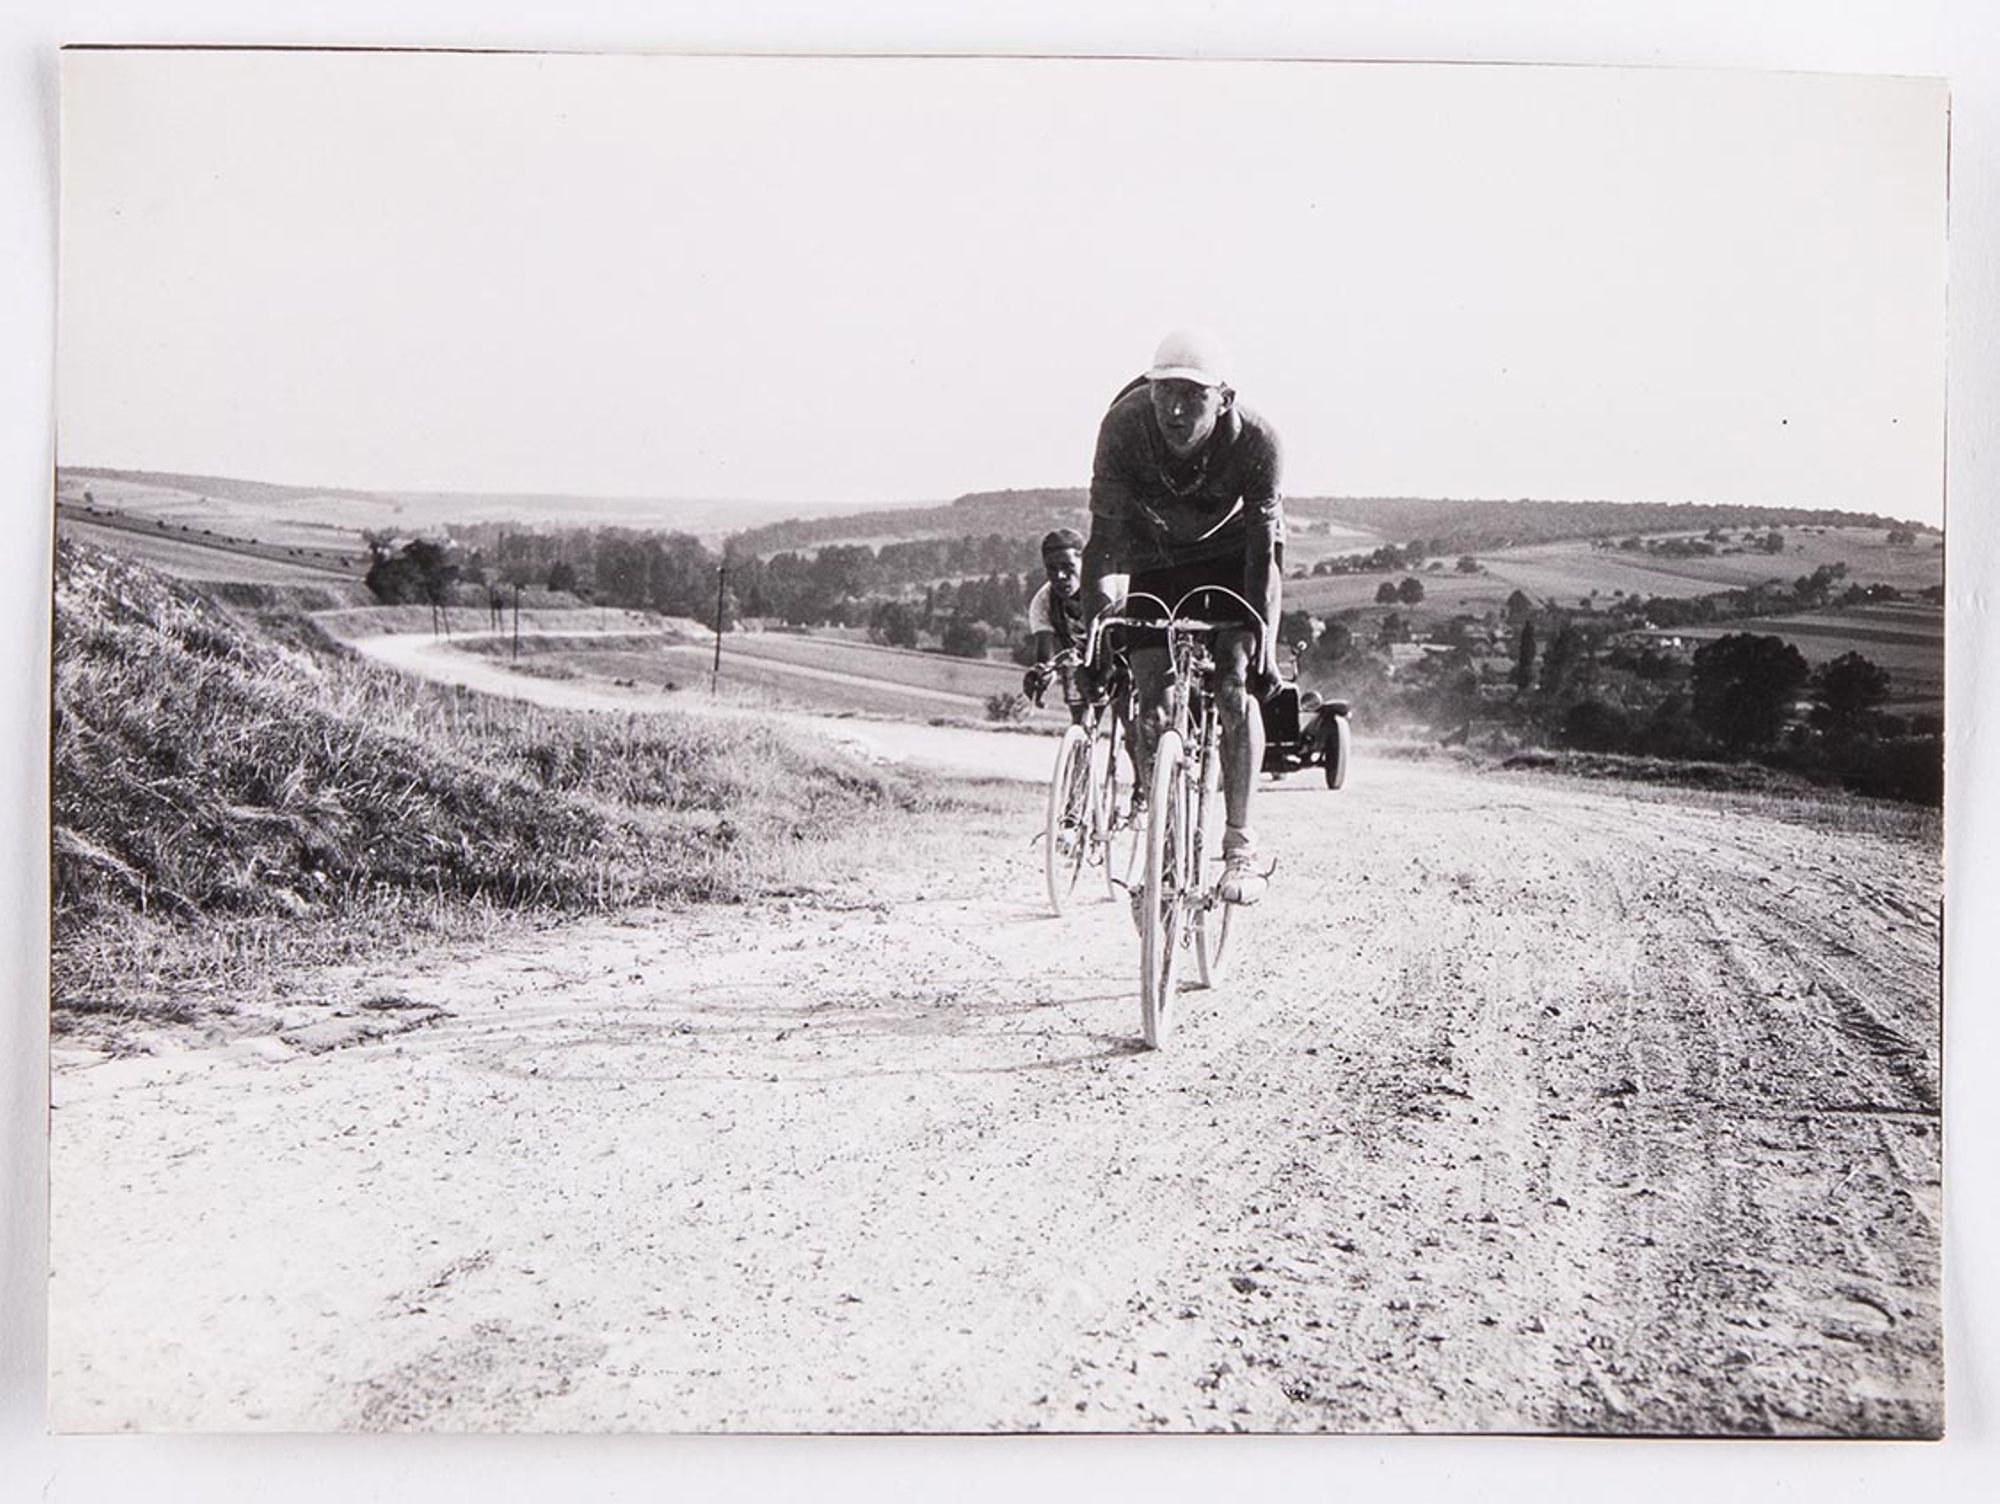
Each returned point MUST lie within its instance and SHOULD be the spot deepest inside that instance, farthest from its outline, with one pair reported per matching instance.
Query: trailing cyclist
(1184, 494)
(1058, 624)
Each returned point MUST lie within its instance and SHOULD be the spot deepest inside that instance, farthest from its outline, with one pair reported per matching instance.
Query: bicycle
(1085, 825)
(1180, 907)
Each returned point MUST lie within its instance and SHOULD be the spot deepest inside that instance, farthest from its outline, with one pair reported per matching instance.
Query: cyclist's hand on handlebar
(1035, 682)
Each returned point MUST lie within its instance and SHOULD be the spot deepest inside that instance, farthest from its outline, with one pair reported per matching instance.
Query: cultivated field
(331, 526)
(196, 558)
(1904, 638)
(1565, 573)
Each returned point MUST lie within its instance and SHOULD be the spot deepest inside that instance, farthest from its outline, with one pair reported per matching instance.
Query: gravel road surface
(1528, 1105)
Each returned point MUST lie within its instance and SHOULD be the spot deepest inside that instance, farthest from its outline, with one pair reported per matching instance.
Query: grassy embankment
(234, 796)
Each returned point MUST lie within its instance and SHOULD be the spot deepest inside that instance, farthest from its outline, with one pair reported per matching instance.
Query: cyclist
(1056, 618)
(1184, 493)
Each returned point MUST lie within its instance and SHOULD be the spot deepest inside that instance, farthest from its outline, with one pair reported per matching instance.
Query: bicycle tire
(1213, 919)
(1066, 835)
(1164, 895)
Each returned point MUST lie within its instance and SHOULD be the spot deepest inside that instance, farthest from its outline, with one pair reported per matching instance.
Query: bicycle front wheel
(1066, 839)
(1212, 917)
(1165, 897)
(1119, 835)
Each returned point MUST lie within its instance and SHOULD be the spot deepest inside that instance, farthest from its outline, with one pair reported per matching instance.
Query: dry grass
(222, 798)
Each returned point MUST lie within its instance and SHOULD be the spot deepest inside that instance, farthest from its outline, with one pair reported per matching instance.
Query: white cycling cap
(1191, 355)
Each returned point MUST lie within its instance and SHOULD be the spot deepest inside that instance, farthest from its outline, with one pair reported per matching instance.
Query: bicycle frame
(1084, 825)
(1180, 906)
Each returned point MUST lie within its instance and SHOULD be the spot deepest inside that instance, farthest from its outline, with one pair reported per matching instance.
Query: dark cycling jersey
(1151, 510)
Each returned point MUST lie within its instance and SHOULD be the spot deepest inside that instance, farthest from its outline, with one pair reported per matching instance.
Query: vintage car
(1301, 730)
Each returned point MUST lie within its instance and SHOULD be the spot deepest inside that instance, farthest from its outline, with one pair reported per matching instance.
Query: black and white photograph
(996, 745)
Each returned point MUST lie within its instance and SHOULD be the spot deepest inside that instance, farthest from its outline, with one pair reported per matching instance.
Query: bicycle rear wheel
(1165, 896)
(1066, 838)
(1213, 919)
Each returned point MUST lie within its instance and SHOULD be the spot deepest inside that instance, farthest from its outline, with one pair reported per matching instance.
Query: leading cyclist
(1184, 493)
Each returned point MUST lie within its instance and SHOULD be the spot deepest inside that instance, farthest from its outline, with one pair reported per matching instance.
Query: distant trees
(1436, 528)
(1389, 556)
(1559, 661)
(1334, 643)
(895, 623)
(1467, 564)
(1411, 591)
(1524, 658)
(1814, 589)
(1594, 726)
(1900, 537)
(1385, 593)
(1847, 693)
(1808, 592)
(965, 639)
(837, 583)
(420, 572)
(1744, 686)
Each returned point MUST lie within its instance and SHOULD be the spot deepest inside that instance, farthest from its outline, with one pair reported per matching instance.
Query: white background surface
(1952, 38)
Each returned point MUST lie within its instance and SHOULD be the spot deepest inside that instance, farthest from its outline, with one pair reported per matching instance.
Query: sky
(872, 280)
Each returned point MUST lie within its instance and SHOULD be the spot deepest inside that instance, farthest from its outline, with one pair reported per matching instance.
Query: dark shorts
(1173, 583)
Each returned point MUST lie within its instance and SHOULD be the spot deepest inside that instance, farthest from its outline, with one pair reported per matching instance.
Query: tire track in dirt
(1631, 1178)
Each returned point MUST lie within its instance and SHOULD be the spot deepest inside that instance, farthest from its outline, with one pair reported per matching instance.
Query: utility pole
(721, 577)
(517, 621)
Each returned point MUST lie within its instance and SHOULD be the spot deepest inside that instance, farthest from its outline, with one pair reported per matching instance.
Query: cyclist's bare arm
(1102, 561)
(1263, 580)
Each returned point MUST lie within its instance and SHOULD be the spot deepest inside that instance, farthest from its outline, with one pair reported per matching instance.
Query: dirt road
(1528, 1105)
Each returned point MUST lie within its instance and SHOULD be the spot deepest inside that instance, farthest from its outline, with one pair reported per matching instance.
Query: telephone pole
(715, 674)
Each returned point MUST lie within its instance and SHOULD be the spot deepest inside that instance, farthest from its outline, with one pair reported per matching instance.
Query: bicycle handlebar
(1117, 614)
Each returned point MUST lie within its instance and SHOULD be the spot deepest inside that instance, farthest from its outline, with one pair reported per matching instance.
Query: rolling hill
(1451, 526)
(285, 512)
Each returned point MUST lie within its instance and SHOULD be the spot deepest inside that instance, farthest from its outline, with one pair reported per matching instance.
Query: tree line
(1447, 526)
(1583, 682)
(845, 585)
